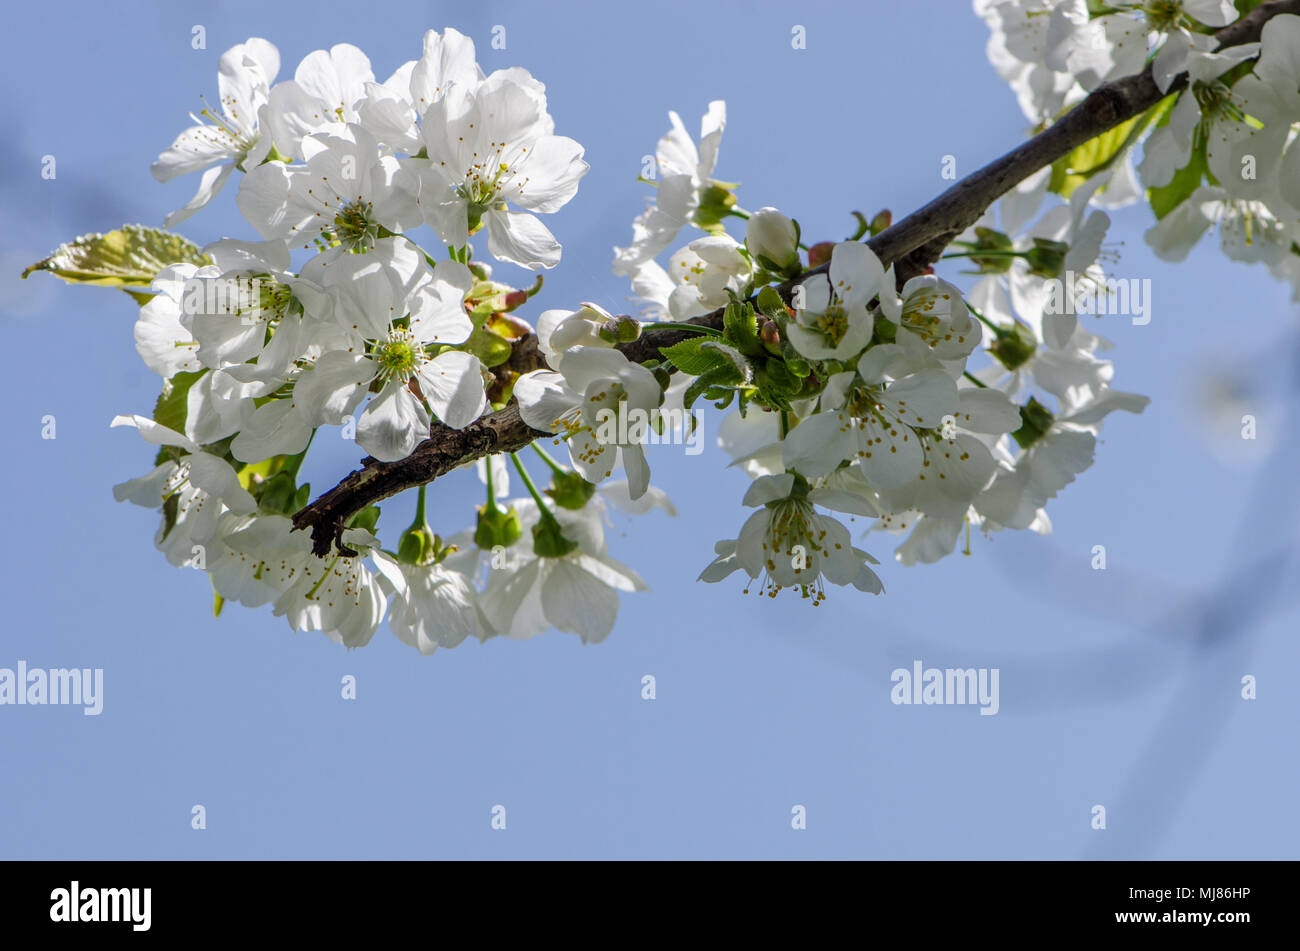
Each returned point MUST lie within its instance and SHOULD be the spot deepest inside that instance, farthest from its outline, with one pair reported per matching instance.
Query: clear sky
(1118, 687)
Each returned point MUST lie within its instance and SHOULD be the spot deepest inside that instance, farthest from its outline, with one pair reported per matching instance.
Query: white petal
(452, 382)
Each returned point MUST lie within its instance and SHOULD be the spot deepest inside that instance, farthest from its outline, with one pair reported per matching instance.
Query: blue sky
(1118, 687)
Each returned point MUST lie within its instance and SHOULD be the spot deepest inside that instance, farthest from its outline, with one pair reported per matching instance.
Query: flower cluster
(1217, 151)
(338, 317)
(850, 389)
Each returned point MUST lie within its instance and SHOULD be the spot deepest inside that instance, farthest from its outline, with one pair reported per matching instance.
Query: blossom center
(353, 225)
(398, 357)
(833, 323)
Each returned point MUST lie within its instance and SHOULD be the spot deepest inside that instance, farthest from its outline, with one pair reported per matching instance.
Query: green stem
(672, 325)
(532, 489)
(491, 495)
(974, 379)
(548, 459)
(785, 423)
(420, 520)
(986, 322)
(991, 253)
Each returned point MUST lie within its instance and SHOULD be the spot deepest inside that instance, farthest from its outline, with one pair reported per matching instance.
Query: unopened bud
(773, 241)
(820, 253)
(620, 329)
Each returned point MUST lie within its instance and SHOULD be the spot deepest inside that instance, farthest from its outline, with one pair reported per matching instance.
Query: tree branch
(912, 245)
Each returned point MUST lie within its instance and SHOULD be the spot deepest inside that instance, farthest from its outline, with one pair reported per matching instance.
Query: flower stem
(974, 379)
(985, 321)
(491, 505)
(988, 253)
(696, 328)
(532, 489)
(420, 520)
(548, 459)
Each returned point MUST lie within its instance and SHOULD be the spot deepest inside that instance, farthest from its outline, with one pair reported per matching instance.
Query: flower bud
(620, 329)
(820, 253)
(770, 334)
(773, 241)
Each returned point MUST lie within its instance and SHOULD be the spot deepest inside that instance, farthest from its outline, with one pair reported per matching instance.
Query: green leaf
(256, 472)
(715, 384)
(1185, 181)
(690, 357)
(172, 406)
(1100, 152)
(769, 302)
(131, 256)
(735, 359)
(740, 325)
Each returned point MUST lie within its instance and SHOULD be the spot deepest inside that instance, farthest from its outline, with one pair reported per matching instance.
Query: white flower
(490, 147)
(652, 288)
(684, 171)
(872, 416)
(1249, 160)
(1096, 49)
(395, 420)
(558, 331)
(1248, 230)
(831, 317)
(576, 592)
(322, 97)
(232, 137)
(348, 192)
(1063, 355)
(1062, 451)
(703, 272)
(1169, 147)
(788, 544)
(931, 317)
(229, 312)
(1017, 40)
(161, 339)
(256, 558)
(341, 596)
(200, 485)
(438, 608)
(600, 403)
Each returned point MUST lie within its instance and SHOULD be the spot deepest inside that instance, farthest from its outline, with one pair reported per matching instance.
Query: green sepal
(569, 490)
